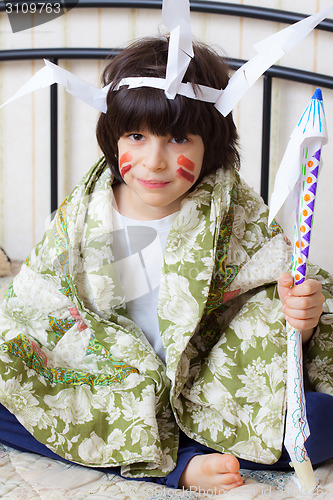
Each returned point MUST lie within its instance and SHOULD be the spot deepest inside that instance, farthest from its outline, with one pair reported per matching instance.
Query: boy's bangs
(148, 109)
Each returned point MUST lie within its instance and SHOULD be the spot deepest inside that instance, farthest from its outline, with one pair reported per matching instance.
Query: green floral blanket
(81, 376)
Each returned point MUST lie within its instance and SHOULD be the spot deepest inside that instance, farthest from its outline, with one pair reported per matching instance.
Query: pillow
(4, 263)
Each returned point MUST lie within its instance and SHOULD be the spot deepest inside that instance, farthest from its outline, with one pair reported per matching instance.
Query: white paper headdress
(176, 18)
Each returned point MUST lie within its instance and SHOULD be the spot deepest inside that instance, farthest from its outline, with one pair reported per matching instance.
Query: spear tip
(317, 95)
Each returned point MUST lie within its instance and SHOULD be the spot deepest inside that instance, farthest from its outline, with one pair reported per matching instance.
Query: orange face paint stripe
(185, 175)
(185, 162)
(125, 158)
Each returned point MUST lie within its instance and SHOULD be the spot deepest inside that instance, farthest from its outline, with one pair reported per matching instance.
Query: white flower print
(265, 384)
(254, 238)
(91, 449)
(27, 287)
(327, 319)
(104, 401)
(252, 448)
(100, 207)
(10, 326)
(71, 405)
(23, 319)
(95, 450)
(251, 202)
(238, 226)
(98, 292)
(220, 399)
(203, 197)
(149, 362)
(116, 441)
(256, 319)
(130, 407)
(246, 330)
(208, 267)
(236, 254)
(96, 256)
(182, 242)
(320, 370)
(176, 302)
(254, 387)
(18, 397)
(207, 420)
(268, 422)
(218, 361)
(324, 341)
(146, 407)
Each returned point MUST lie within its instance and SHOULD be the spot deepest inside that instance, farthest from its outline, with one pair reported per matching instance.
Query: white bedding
(26, 476)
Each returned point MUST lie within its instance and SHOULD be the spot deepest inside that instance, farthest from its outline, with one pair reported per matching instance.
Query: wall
(24, 135)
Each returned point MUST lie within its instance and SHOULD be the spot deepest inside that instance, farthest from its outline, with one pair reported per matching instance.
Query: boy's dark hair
(148, 108)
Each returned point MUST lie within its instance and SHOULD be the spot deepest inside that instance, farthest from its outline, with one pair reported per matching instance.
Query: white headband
(176, 18)
(204, 93)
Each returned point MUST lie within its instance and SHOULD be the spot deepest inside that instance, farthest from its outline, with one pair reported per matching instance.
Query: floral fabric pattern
(81, 376)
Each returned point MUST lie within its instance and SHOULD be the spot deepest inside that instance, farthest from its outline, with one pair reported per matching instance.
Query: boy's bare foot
(211, 472)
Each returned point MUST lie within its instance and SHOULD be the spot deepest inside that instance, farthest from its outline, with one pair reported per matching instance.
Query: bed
(27, 476)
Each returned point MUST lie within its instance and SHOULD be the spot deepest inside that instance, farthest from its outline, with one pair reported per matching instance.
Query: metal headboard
(208, 7)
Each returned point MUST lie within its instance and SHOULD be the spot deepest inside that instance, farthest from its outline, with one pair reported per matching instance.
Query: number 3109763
(33, 8)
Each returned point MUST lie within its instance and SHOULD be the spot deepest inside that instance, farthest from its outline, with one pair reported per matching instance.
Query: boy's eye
(136, 137)
(179, 140)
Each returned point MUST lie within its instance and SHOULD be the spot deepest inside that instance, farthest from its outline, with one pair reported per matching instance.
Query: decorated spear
(295, 191)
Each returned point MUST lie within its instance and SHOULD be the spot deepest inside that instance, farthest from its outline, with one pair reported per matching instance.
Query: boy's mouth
(153, 184)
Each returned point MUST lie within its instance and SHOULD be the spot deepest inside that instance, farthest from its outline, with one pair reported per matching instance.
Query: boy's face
(158, 172)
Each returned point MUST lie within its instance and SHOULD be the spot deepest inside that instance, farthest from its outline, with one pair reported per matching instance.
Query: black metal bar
(266, 137)
(282, 72)
(207, 7)
(292, 74)
(254, 12)
(57, 53)
(54, 145)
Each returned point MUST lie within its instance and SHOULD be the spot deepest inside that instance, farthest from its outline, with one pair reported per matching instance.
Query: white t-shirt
(139, 247)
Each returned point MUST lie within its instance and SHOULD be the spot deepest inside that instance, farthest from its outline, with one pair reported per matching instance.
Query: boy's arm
(302, 305)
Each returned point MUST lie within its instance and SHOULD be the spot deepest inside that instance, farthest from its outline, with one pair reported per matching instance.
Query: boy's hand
(302, 304)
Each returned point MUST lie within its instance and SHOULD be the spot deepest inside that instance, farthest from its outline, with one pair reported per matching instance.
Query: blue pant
(319, 445)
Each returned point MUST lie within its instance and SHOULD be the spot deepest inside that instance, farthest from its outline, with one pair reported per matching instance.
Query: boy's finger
(285, 281)
(304, 314)
(303, 301)
(307, 288)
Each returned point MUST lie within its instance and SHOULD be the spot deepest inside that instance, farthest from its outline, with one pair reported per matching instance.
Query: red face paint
(126, 157)
(125, 169)
(185, 175)
(185, 162)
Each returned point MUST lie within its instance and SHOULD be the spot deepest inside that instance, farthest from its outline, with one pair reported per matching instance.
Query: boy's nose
(155, 157)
